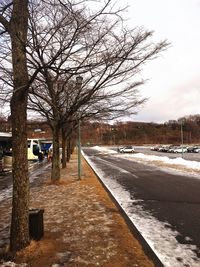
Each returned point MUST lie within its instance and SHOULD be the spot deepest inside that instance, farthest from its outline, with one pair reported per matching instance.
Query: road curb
(147, 249)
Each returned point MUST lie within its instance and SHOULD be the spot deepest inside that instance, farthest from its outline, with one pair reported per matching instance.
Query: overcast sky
(173, 88)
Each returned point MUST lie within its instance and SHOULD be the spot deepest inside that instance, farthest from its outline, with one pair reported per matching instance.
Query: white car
(180, 150)
(127, 149)
(196, 150)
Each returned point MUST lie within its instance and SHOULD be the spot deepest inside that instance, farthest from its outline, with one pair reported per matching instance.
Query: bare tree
(72, 40)
(14, 23)
(66, 40)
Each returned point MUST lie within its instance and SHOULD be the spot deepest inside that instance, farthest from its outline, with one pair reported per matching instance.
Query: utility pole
(79, 150)
(182, 136)
(79, 81)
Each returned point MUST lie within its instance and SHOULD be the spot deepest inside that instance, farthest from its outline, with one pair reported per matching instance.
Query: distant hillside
(124, 132)
(142, 133)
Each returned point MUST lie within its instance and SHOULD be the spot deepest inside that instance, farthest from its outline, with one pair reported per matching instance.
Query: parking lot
(147, 150)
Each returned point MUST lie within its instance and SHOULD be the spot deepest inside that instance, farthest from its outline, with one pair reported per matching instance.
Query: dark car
(193, 149)
(190, 149)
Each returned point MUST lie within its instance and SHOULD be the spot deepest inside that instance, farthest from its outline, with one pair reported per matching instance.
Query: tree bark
(68, 148)
(64, 160)
(55, 173)
(19, 236)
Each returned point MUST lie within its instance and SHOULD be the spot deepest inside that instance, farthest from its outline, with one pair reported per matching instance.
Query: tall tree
(14, 22)
(72, 40)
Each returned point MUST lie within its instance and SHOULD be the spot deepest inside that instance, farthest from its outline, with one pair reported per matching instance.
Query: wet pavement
(170, 198)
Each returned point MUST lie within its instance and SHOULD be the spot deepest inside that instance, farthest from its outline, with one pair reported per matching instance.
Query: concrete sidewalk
(82, 225)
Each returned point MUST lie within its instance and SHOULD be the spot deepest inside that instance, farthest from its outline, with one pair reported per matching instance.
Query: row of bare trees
(65, 62)
(140, 133)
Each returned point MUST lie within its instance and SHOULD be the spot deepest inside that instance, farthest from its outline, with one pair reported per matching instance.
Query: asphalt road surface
(170, 198)
(6, 178)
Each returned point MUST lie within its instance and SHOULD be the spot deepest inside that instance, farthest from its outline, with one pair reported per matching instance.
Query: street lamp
(181, 122)
(79, 80)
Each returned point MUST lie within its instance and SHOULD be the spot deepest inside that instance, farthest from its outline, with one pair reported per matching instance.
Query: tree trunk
(19, 235)
(64, 160)
(55, 172)
(68, 148)
(72, 145)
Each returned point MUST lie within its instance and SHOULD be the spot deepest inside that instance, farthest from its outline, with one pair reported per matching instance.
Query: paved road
(34, 169)
(35, 178)
(170, 198)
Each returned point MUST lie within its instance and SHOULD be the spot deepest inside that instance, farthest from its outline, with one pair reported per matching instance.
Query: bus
(5, 151)
(34, 150)
(36, 147)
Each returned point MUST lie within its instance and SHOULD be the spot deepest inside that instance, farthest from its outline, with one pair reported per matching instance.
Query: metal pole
(182, 137)
(79, 80)
(79, 149)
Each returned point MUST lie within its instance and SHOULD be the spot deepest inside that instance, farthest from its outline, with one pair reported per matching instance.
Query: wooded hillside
(122, 133)
(143, 133)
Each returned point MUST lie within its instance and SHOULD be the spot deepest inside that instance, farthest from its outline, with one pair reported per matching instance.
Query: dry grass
(82, 226)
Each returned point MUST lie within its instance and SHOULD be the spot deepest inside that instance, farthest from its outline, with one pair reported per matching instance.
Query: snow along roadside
(175, 165)
(163, 242)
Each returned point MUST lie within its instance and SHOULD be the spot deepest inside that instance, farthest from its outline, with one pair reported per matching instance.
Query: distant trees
(190, 125)
(141, 133)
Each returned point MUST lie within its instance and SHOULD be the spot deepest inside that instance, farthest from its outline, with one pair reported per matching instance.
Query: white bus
(34, 149)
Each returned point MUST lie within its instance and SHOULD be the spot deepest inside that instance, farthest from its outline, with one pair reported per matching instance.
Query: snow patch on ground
(186, 167)
(12, 264)
(178, 161)
(105, 150)
(6, 193)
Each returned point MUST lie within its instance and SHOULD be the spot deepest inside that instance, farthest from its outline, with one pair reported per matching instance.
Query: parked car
(180, 149)
(164, 148)
(155, 148)
(196, 149)
(171, 149)
(127, 149)
(119, 148)
(190, 149)
(193, 149)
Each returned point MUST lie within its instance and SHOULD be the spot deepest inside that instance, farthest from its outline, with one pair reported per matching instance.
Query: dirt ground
(82, 226)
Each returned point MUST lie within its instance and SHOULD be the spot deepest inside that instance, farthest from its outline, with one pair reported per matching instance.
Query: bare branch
(5, 23)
